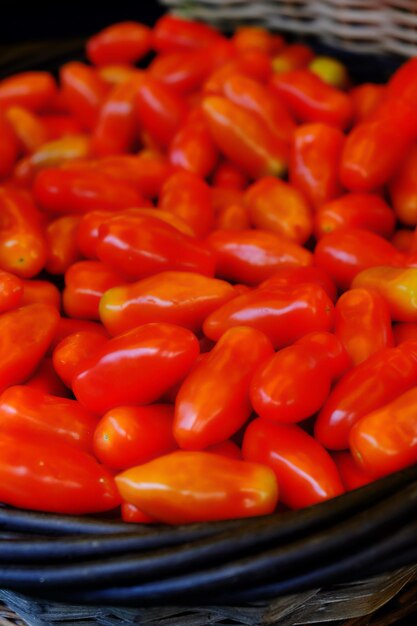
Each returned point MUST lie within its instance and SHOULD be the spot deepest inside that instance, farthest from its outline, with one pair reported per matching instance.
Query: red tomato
(127, 435)
(213, 401)
(30, 90)
(42, 292)
(192, 147)
(291, 276)
(305, 472)
(125, 42)
(11, 291)
(85, 283)
(72, 350)
(46, 380)
(61, 243)
(83, 91)
(352, 475)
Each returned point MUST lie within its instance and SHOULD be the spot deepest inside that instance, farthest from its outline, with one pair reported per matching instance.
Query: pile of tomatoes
(235, 226)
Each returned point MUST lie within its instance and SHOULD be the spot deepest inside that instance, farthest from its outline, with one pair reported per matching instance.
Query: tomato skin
(363, 323)
(187, 196)
(305, 472)
(68, 326)
(160, 111)
(40, 292)
(61, 242)
(182, 298)
(175, 34)
(124, 42)
(404, 331)
(385, 440)
(403, 190)
(352, 475)
(244, 138)
(284, 314)
(72, 350)
(192, 147)
(314, 162)
(60, 125)
(43, 475)
(226, 448)
(64, 191)
(396, 286)
(356, 210)
(30, 90)
(185, 487)
(28, 128)
(253, 96)
(402, 239)
(366, 163)
(365, 99)
(84, 92)
(127, 436)
(291, 276)
(229, 176)
(22, 243)
(85, 283)
(366, 387)
(137, 367)
(131, 514)
(294, 56)
(277, 388)
(279, 207)
(310, 99)
(26, 334)
(183, 72)
(11, 291)
(252, 256)
(344, 253)
(25, 410)
(208, 409)
(249, 37)
(154, 246)
(46, 380)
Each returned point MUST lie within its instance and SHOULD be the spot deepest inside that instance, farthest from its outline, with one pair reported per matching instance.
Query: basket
(350, 561)
(367, 26)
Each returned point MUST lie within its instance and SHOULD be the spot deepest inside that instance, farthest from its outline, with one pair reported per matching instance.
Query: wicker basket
(356, 25)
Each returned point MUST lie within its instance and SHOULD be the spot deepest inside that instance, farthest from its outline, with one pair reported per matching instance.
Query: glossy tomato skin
(11, 291)
(83, 91)
(403, 190)
(124, 42)
(192, 147)
(277, 206)
(127, 436)
(137, 367)
(363, 323)
(252, 256)
(30, 90)
(185, 487)
(67, 326)
(294, 56)
(133, 515)
(229, 176)
(226, 448)
(154, 246)
(284, 314)
(61, 243)
(345, 253)
(385, 440)
(365, 100)
(72, 350)
(305, 472)
(183, 298)
(277, 388)
(26, 411)
(291, 276)
(46, 380)
(22, 242)
(365, 388)
(213, 401)
(356, 210)
(314, 162)
(172, 33)
(26, 335)
(40, 292)
(42, 475)
(397, 287)
(85, 283)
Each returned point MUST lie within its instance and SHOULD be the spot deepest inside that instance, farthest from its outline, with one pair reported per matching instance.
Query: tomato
(131, 514)
(46, 380)
(363, 323)
(249, 37)
(305, 472)
(85, 283)
(293, 57)
(331, 71)
(291, 276)
(252, 256)
(344, 253)
(61, 243)
(213, 401)
(72, 350)
(172, 33)
(229, 176)
(127, 435)
(183, 298)
(84, 92)
(244, 138)
(30, 90)
(41, 292)
(284, 314)
(60, 125)
(41, 474)
(365, 99)
(67, 326)
(125, 42)
(352, 475)
(192, 147)
(154, 246)
(365, 388)
(28, 127)
(185, 73)
(277, 206)
(405, 331)
(277, 388)
(396, 286)
(403, 190)
(24, 410)
(385, 440)
(314, 162)
(310, 99)
(137, 367)
(11, 291)
(185, 487)
(226, 448)
(25, 337)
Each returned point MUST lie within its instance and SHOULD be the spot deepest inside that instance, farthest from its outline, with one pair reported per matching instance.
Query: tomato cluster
(236, 228)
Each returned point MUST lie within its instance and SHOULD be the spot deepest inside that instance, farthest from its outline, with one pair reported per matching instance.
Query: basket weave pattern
(373, 26)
